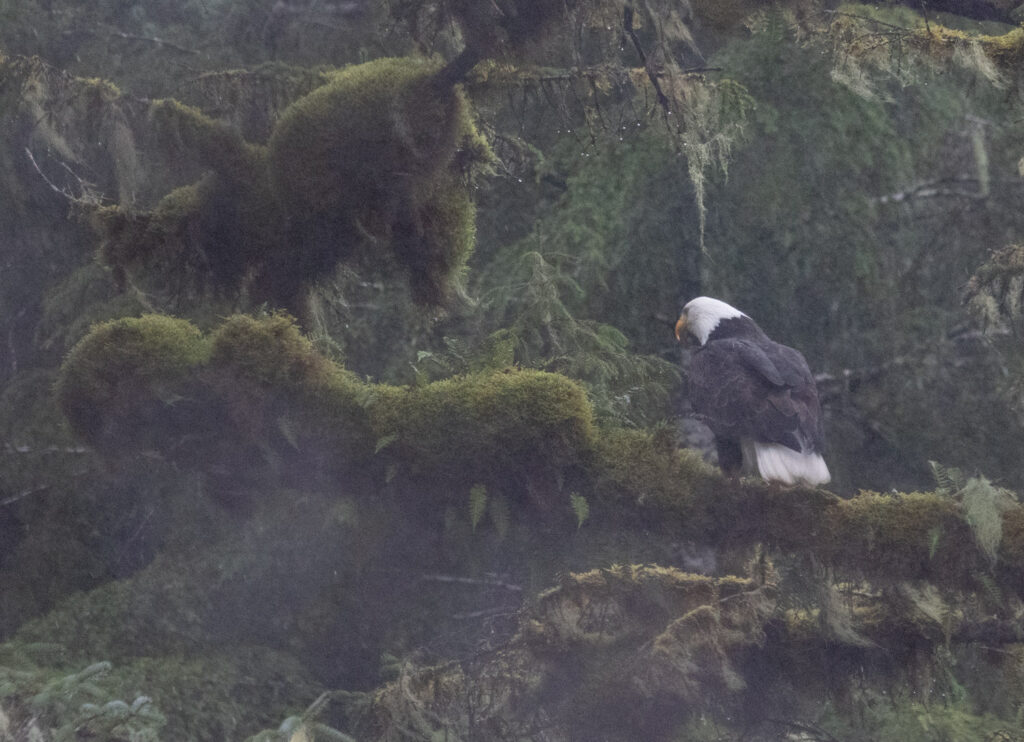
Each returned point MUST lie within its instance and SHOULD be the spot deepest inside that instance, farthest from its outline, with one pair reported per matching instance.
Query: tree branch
(472, 581)
(627, 24)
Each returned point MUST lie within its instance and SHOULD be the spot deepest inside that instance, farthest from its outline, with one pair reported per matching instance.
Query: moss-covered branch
(373, 167)
(257, 390)
(639, 652)
(1006, 50)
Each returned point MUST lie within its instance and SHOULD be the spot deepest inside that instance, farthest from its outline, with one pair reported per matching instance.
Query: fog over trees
(339, 398)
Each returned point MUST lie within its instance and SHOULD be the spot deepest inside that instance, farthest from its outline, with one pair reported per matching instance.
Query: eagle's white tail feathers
(777, 463)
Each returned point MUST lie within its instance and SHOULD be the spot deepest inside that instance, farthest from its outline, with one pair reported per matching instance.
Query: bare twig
(471, 580)
(23, 449)
(23, 494)
(89, 195)
(49, 182)
(153, 40)
(627, 24)
(935, 189)
(484, 613)
(804, 728)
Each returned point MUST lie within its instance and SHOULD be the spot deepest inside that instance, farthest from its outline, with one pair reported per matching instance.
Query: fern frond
(477, 504)
(501, 515)
(984, 504)
(948, 479)
(580, 507)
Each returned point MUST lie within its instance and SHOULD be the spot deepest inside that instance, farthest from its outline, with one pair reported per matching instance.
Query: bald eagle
(757, 396)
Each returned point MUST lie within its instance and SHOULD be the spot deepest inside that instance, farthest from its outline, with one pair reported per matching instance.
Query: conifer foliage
(338, 396)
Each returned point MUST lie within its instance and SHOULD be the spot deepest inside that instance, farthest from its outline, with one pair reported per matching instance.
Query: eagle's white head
(701, 316)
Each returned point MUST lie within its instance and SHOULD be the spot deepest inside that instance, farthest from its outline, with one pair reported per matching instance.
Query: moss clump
(374, 165)
(355, 137)
(648, 466)
(273, 382)
(669, 592)
(252, 390)
(122, 363)
(436, 260)
(913, 536)
(219, 145)
(1005, 50)
(215, 232)
(374, 159)
(161, 240)
(270, 351)
(497, 428)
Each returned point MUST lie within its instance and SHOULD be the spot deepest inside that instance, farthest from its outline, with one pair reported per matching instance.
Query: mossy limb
(211, 141)
(122, 362)
(628, 652)
(506, 429)
(371, 163)
(271, 351)
(277, 388)
(649, 466)
(252, 402)
(1006, 51)
(374, 166)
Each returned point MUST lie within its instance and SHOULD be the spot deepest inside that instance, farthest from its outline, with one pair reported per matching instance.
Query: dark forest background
(339, 397)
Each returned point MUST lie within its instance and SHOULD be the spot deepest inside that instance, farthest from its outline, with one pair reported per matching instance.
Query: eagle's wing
(762, 391)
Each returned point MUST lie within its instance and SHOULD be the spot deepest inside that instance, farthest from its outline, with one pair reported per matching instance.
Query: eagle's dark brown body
(757, 396)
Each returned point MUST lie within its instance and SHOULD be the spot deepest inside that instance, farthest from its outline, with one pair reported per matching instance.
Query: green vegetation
(339, 398)
(123, 365)
(377, 160)
(382, 156)
(486, 426)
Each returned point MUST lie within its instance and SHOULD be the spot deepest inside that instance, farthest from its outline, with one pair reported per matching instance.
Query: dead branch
(472, 581)
(627, 25)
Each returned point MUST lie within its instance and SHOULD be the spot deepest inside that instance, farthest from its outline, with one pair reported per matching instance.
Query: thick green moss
(887, 538)
(216, 143)
(253, 390)
(349, 143)
(648, 466)
(122, 362)
(1006, 50)
(273, 382)
(214, 233)
(271, 351)
(436, 262)
(160, 239)
(501, 428)
(374, 158)
(259, 391)
(374, 165)
(913, 536)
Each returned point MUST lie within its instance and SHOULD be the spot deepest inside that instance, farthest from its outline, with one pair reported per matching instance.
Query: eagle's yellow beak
(680, 327)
